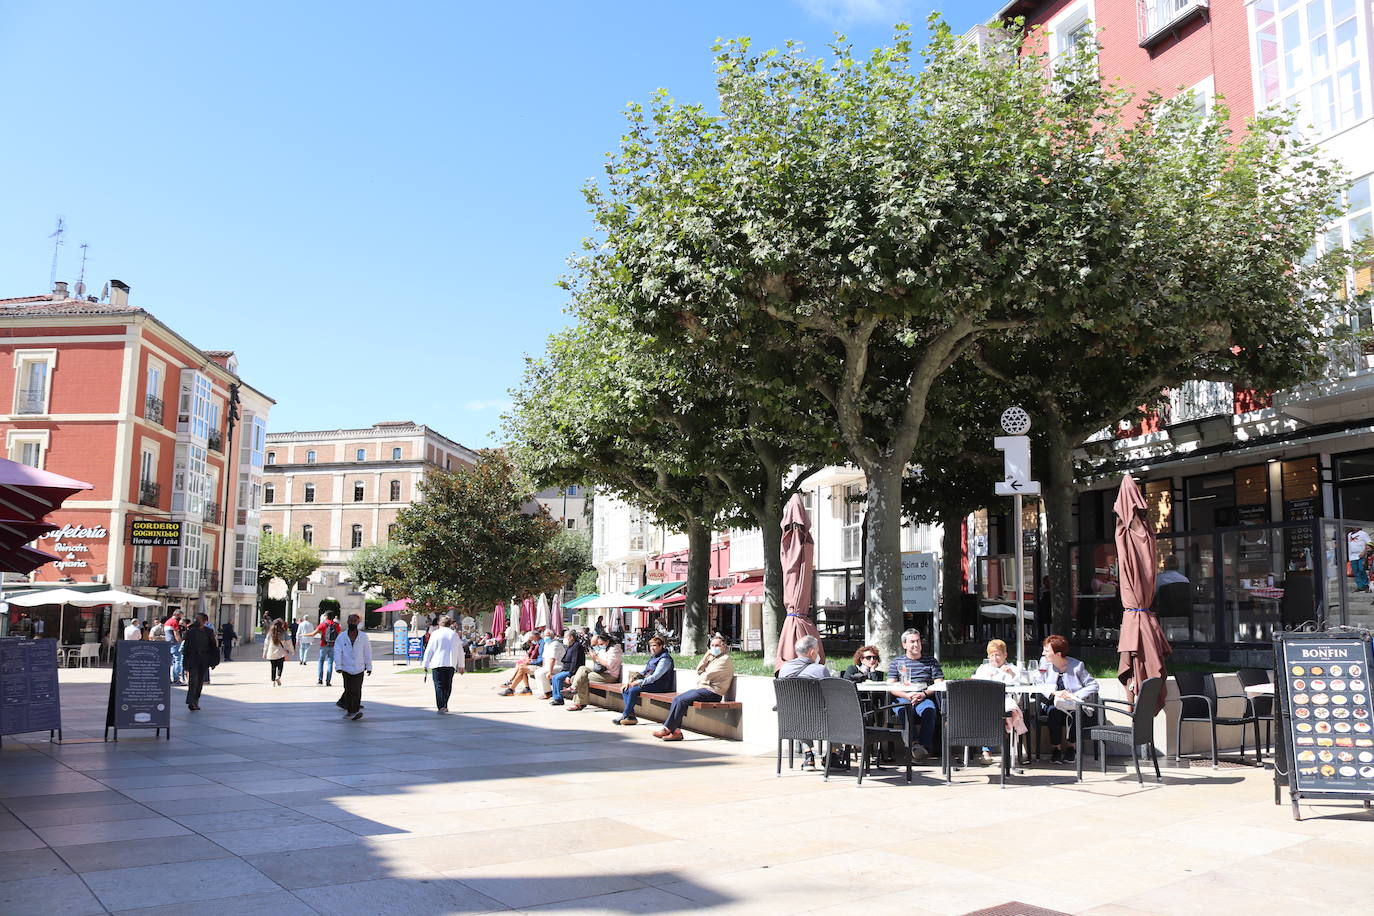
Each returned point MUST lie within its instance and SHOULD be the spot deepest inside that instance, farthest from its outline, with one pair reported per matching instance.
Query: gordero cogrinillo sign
(73, 543)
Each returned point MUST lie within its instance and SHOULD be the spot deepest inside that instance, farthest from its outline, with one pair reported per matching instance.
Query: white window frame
(308, 493)
(16, 439)
(22, 360)
(355, 537)
(310, 456)
(359, 491)
(271, 457)
(396, 454)
(1069, 20)
(269, 494)
(360, 454)
(154, 367)
(852, 524)
(308, 534)
(1301, 93)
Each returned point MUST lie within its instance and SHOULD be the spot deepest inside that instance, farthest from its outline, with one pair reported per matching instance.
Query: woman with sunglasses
(866, 666)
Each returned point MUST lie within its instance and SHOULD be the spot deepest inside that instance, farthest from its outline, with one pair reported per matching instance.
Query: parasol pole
(1020, 586)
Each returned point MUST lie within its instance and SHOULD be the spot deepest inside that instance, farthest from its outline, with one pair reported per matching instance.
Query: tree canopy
(286, 558)
(376, 567)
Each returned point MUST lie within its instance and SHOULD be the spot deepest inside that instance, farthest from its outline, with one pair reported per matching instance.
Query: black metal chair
(1200, 702)
(975, 716)
(1140, 733)
(801, 714)
(1263, 706)
(845, 725)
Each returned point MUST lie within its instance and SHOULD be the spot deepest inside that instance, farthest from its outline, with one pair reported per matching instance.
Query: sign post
(1016, 483)
(140, 692)
(919, 573)
(400, 633)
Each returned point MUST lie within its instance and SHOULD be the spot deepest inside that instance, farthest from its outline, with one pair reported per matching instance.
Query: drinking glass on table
(906, 676)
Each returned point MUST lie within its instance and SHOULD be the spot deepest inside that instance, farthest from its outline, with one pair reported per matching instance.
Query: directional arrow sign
(1016, 471)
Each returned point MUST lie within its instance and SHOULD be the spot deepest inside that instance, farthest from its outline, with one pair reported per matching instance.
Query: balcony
(187, 580)
(1194, 401)
(152, 409)
(150, 494)
(1160, 18)
(211, 580)
(215, 442)
(145, 576)
(210, 515)
(30, 401)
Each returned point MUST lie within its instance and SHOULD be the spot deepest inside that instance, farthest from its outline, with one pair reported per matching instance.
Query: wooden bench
(719, 719)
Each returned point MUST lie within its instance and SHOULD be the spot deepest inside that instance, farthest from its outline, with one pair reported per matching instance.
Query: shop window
(1211, 500)
(1354, 477)
(1252, 495)
(1159, 500)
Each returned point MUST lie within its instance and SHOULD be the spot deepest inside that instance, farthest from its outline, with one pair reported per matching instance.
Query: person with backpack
(199, 653)
(328, 632)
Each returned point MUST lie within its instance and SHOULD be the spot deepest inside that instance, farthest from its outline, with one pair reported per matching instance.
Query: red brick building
(104, 392)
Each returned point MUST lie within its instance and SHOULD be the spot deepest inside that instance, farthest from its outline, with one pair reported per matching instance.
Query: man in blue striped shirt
(918, 707)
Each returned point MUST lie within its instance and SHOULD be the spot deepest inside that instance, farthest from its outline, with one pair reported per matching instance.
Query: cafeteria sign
(154, 532)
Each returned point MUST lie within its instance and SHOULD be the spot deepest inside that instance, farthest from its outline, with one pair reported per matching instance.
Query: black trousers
(196, 676)
(443, 685)
(352, 699)
(277, 665)
(1058, 722)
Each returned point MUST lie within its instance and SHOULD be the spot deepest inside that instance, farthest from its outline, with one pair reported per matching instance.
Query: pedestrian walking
(352, 655)
(327, 633)
(444, 655)
(175, 634)
(276, 648)
(302, 637)
(199, 655)
(227, 638)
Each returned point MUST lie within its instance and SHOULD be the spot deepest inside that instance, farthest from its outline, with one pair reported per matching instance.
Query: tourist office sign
(1326, 711)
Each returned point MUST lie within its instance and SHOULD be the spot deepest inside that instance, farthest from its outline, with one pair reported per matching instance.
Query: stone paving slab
(267, 801)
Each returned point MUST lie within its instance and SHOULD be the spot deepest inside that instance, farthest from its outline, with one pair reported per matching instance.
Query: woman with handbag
(277, 648)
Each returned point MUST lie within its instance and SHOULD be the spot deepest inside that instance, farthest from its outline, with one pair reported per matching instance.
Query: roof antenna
(57, 234)
(81, 280)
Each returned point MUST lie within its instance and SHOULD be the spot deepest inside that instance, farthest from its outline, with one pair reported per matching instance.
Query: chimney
(59, 290)
(119, 293)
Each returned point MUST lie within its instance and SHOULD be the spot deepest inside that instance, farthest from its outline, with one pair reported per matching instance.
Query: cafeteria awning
(578, 601)
(749, 591)
(657, 590)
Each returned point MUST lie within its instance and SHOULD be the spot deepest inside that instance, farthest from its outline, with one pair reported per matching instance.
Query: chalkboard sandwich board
(140, 687)
(1326, 710)
(29, 700)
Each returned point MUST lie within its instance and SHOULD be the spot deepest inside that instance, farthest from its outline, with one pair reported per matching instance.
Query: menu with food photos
(1330, 714)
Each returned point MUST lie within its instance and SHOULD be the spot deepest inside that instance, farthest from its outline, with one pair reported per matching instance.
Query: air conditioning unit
(98, 579)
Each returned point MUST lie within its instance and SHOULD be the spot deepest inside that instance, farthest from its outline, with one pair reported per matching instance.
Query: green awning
(650, 592)
(578, 601)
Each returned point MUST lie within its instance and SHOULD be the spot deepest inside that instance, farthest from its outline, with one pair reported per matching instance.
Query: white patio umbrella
(62, 596)
(1002, 610)
(115, 596)
(541, 612)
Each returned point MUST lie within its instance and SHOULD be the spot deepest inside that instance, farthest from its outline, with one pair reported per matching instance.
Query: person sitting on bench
(658, 670)
(603, 668)
(520, 678)
(716, 672)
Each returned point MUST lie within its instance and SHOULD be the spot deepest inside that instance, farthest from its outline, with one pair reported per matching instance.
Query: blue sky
(370, 203)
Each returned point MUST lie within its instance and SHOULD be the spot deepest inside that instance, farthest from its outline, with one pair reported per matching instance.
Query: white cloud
(851, 11)
(487, 405)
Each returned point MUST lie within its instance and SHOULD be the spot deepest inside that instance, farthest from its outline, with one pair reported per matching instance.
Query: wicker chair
(1199, 701)
(975, 716)
(1140, 733)
(844, 724)
(801, 714)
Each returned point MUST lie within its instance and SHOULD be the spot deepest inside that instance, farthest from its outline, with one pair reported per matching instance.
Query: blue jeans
(630, 695)
(921, 726)
(556, 683)
(683, 702)
(326, 655)
(178, 665)
(304, 652)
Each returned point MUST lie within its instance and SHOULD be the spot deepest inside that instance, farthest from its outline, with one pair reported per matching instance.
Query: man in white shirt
(133, 630)
(353, 660)
(1356, 541)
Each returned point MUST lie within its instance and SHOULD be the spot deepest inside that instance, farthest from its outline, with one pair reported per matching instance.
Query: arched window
(395, 454)
(310, 457)
(357, 536)
(360, 454)
(395, 491)
(271, 457)
(269, 493)
(310, 492)
(308, 533)
(358, 491)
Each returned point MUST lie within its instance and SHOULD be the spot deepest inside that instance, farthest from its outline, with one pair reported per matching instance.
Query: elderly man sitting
(602, 668)
(806, 664)
(911, 676)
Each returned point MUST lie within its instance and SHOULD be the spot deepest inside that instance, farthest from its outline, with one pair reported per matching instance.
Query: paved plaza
(267, 802)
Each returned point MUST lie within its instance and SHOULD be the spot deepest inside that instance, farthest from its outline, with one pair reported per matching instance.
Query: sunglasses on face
(871, 656)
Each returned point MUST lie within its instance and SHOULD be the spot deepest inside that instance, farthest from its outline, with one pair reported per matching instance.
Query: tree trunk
(951, 586)
(773, 610)
(882, 559)
(695, 617)
(1058, 495)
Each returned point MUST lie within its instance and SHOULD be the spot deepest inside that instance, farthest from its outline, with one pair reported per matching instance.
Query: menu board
(140, 688)
(1330, 715)
(416, 645)
(29, 699)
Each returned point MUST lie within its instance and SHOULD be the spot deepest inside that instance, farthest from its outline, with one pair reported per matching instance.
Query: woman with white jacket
(443, 656)
(276, 648)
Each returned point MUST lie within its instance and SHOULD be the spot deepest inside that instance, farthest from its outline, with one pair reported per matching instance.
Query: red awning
(749, 591)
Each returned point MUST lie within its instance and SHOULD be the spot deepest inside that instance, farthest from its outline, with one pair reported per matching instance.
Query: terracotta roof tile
(42, 306)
